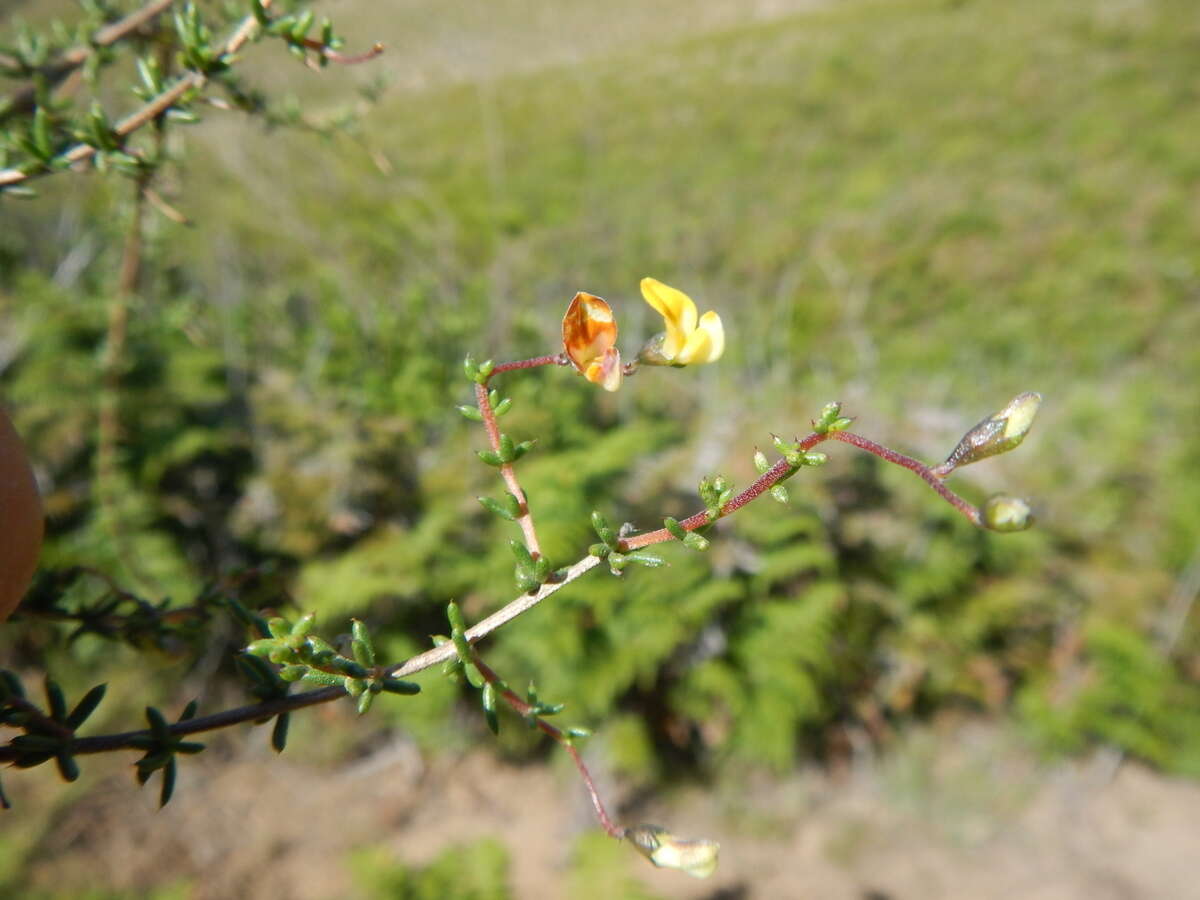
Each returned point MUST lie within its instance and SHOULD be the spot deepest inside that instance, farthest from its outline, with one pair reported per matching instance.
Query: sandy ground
(964, 814)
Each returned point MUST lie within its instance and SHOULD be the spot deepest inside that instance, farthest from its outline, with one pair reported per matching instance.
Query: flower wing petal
(605, 370)
(710, 323)
(696, 349)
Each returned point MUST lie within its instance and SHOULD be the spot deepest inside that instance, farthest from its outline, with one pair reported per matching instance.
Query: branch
(793, 459)
(25, 98)
(152, 110)
(783, 470)
(525, 519)
(259, 712)
(525, 710)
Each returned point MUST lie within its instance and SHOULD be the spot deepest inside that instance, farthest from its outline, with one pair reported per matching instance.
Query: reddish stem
(556, 359)
(782, 470)
(342, 58)
(763, 483)
(913, 465)
(525, 519)
(524, 709)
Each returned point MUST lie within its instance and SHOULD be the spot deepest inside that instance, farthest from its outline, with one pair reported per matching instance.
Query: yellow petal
(710, 322)
(588, 329)
(696, 349)
(676, 308)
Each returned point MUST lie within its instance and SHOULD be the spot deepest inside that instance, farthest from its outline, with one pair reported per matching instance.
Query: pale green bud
(1004, 513)
(998, 433)
(696, 857)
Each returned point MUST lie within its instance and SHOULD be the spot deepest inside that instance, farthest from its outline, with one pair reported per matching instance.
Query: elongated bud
(1004, 513)
(696, 857)
(998, 433)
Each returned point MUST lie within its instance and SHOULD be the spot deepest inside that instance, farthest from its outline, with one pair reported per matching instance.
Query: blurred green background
(917, 208)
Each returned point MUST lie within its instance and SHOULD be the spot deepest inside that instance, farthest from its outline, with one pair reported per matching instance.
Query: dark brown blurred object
(21, 520)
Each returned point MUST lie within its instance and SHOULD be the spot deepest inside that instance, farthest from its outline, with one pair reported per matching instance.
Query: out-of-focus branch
(24, 98)
(190, 81)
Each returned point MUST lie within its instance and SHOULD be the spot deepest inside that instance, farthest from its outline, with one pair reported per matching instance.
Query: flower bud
(998, 433)
(1004, 513)
(696, 857)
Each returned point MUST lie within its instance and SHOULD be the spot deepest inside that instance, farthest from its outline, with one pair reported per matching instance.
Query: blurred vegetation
(477, 871)
(917, 207)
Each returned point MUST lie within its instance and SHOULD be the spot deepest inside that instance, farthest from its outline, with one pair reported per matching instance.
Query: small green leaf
(168, 783)
(677, 531)
(279, 627)
(471, 412)
(489, 707)
(474, 676)
(86, 706)
(522, 554)
(158, 725)
(645, 559)
(365, 700)
(350, 668)
(364, 650)
(783, 446)
(499, 509)
(56, 702)
(279, 733)
(303, 625)
(262, 647)
(396, 686)
(293, 673)
(779, 492)
(491, 458)
(507, 451)
(603, 530)
(324, 679)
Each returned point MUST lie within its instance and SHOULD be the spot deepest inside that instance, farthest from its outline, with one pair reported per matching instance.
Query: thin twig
(782, 470)
(925, 472)
(343, 59)
(524, 709)
(525, 519)
(557, 359)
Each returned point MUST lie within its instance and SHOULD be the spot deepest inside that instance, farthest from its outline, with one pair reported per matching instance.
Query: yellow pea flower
(688, 340)
(590, 338)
